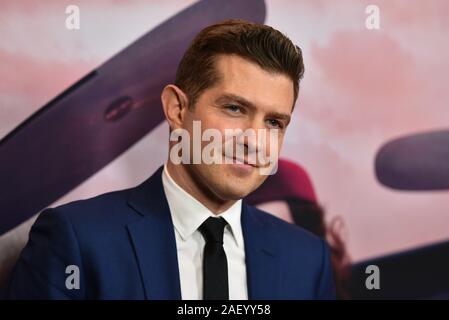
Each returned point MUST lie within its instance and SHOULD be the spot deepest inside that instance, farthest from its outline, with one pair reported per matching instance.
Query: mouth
(241, 162)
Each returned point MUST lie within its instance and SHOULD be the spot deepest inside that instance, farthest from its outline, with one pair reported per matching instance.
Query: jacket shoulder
(305, 259)
(96, 212)
(287, 231)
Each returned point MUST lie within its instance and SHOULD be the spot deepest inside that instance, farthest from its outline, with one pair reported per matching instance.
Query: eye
(274, 123)
(233, 108)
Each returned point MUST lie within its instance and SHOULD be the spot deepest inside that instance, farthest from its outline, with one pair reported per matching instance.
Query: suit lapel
(154, 240)
(262, 260)
(154, 243)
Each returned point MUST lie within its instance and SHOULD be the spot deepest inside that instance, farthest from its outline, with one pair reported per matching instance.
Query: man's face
(246, 97)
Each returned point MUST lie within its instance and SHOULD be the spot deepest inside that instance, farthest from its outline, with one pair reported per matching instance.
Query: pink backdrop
(361, 88)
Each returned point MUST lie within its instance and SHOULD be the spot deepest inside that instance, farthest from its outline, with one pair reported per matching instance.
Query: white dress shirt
(188, 214)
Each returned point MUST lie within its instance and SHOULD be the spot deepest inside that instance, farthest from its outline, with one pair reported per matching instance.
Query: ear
(174, 103)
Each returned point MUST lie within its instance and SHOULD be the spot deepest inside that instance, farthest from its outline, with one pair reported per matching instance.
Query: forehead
(244, 78)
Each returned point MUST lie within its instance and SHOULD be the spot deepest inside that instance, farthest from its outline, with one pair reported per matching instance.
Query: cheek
(280, 143)
(273, 144)
(221, 123)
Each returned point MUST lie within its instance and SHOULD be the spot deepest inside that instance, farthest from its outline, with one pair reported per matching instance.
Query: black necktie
(215, 265)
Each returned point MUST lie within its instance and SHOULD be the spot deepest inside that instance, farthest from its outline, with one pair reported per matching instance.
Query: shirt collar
(188, 213)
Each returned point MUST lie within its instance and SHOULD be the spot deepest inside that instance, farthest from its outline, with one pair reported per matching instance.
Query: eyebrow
(242, 101)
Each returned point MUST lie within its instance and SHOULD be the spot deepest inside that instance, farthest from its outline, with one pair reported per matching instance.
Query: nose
(253, 138)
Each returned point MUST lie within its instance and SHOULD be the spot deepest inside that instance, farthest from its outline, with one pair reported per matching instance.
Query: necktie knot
(212, 229)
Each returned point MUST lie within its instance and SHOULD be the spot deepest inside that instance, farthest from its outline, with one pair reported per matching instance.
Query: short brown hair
(258, 43)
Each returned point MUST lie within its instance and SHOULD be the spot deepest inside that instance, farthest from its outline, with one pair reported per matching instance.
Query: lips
(240, 161)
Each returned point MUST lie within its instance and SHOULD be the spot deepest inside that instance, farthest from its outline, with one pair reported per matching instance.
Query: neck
(184, 179)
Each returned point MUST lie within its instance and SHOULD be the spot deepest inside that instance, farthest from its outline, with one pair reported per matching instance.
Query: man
(185, 233)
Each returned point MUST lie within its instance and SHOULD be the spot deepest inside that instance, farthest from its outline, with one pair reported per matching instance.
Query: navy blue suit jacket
(123, 244)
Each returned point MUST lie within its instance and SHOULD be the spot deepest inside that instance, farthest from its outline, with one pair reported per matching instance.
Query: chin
(233, 193)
